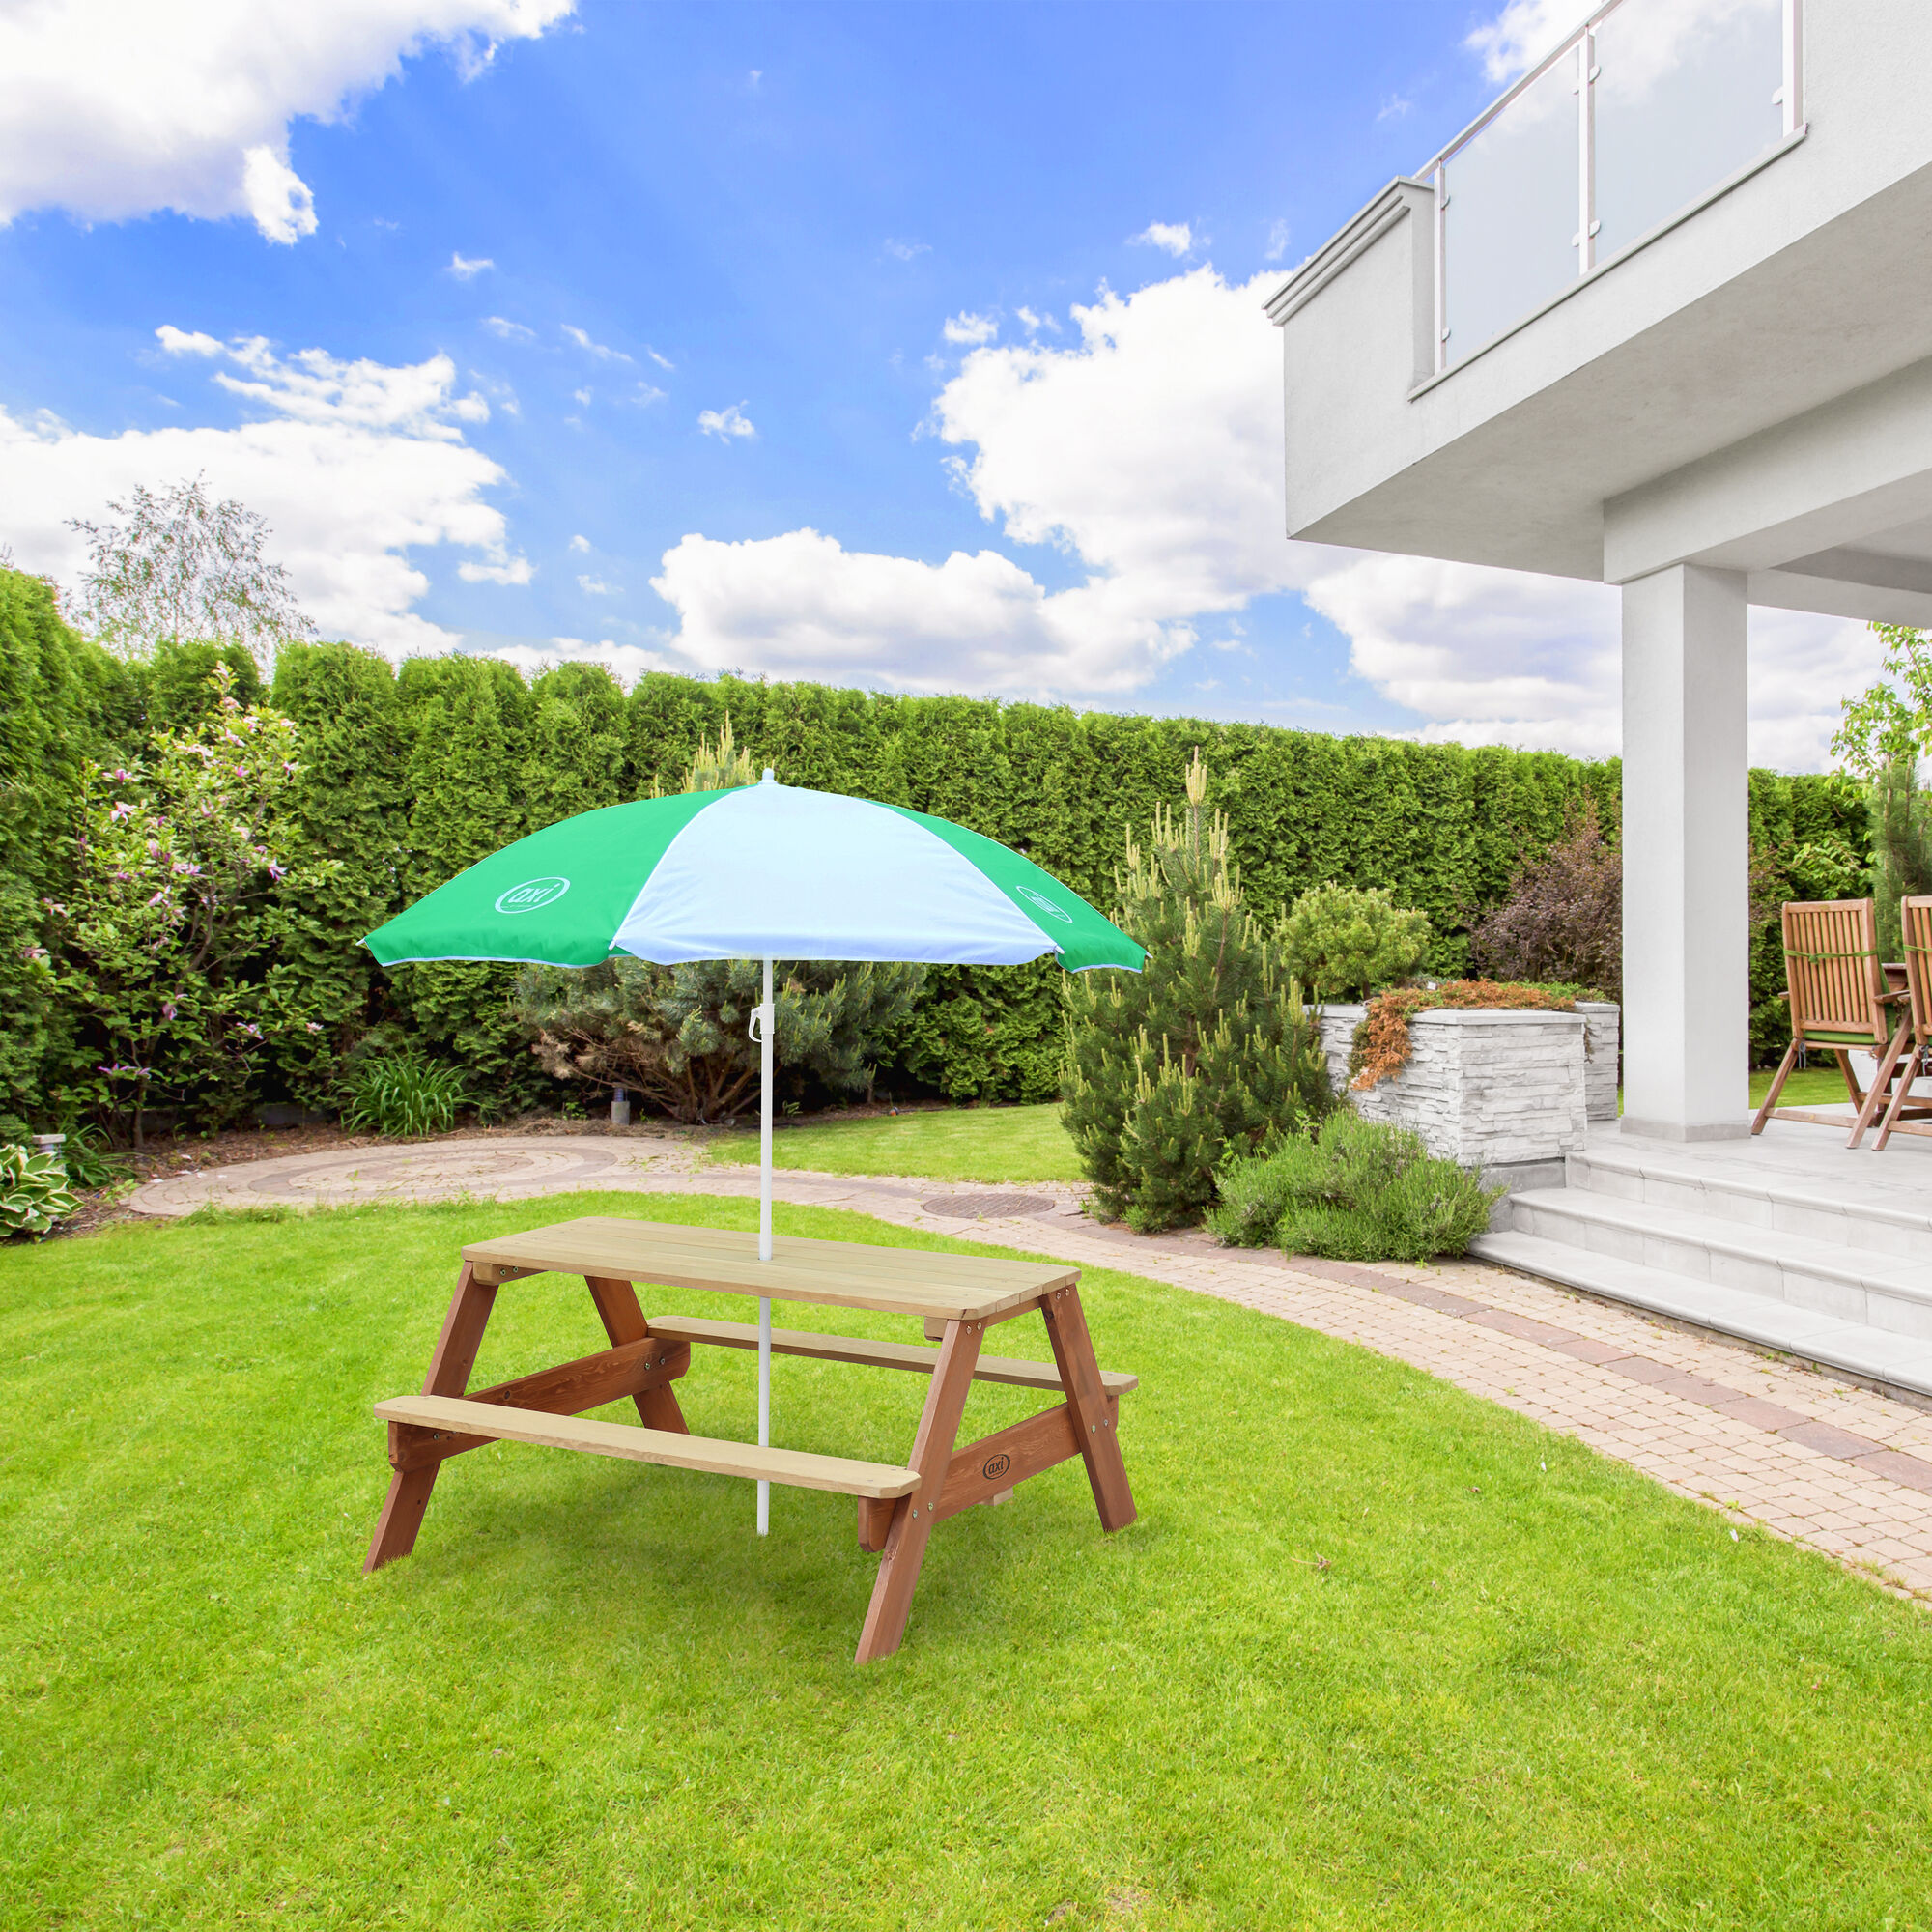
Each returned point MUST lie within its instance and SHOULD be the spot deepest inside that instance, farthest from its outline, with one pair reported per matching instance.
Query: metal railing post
(1587, 223)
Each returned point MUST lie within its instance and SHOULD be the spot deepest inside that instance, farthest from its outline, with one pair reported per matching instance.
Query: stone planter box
(1505, 1092)
(1603, 1029)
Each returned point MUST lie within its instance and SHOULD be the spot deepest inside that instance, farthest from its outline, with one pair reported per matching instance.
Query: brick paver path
(1814, 1458)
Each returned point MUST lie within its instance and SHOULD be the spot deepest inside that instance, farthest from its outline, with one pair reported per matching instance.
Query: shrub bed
(1360, 1192)
(1381, 1046)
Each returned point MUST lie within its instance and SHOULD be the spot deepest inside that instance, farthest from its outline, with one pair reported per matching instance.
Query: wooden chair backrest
(1916, 918)
(1832, 969)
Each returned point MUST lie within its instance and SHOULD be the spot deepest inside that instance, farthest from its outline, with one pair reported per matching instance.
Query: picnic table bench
(957, 1297)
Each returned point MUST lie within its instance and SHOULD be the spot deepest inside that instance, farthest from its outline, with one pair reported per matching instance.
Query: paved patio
(1820, 1461)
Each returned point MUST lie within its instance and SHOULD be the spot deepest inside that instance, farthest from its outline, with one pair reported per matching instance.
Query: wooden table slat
(843, 1475)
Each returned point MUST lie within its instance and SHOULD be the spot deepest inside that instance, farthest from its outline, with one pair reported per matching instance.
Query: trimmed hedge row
(409, 776)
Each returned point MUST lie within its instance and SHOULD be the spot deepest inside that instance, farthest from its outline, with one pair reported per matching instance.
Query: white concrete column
(1686, 845)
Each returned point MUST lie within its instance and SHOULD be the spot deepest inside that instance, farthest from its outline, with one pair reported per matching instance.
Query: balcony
(1649, 109)
(1690, 227)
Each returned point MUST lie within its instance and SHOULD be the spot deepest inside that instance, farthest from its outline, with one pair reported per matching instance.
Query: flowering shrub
(1381, 1043)
(183, 895)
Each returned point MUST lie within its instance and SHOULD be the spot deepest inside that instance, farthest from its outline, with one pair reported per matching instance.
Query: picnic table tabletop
(837, 1274)
(957, 1297)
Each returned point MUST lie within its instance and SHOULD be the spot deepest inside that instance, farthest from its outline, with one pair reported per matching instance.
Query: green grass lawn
(991, 1143)
(1376, 1655)
(1808, 1087)
(1028, 1144)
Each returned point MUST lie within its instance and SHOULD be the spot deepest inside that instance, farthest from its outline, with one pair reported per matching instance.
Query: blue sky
(763, 219)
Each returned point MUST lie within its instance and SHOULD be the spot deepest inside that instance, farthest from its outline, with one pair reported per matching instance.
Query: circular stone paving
(987, 1207)
(494, 1170)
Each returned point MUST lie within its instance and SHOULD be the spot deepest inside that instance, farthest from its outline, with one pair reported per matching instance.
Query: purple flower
(121, 774)
(276, 871)
(315, 1026)
(167, 1010)
(161, 898)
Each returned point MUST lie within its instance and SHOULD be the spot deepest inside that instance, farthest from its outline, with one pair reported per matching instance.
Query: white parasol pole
(767, 1026)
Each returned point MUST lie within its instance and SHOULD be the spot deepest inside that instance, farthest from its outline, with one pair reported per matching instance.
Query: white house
(1661, 316)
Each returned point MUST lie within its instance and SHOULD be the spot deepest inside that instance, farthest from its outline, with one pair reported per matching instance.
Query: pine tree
(1206, 1053)
(677, 1035)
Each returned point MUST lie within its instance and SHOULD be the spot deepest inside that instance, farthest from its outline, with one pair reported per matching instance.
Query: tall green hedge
(407, 777)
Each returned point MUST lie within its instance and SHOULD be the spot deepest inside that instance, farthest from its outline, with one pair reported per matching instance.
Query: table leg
(449, 1374)
(624, 1321)
(1093, 1413)
(913, 1516)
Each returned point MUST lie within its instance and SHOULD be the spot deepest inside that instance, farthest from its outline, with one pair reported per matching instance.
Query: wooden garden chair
(1910, 1058)
(1835, 986)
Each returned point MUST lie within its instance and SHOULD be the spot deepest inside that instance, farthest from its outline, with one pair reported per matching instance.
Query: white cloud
(645, 394)
(1277, 248)
(1394, 108)
(906, 251)
(277, 197)
(725, 424)
(177, 342)
(590, 348)
(970, 328)
(593, 587)
(1497, 657)
(516, 570)
(1176, 237)
(354, 464)
(312, 385)
(802, 606)
(510, 331)
(465, 269)
(1033, 323)
(1485, 656)
(113, 109)
(580, 543)
(1151, 450)
(626, 663)
(662, 361)
(580, 397)
(1527, 30)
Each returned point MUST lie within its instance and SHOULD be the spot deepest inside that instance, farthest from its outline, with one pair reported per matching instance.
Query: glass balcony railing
(1643, 111)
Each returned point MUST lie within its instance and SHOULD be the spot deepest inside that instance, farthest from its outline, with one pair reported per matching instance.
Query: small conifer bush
(1209, 1050)
(1361, 1191)
(677, 1035)
(1344, 943)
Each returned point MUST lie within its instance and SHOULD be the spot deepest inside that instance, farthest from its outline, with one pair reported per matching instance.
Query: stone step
(1874, 1208)
(1876, 1290)
(1898, 1363)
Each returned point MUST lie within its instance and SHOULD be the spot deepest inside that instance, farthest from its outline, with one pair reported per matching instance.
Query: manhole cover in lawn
(987, 1206)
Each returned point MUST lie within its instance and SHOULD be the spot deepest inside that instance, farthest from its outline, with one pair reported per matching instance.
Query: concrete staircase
(1778, 1242)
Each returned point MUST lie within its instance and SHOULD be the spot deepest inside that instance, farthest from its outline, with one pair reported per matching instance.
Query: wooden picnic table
(957, 1297)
